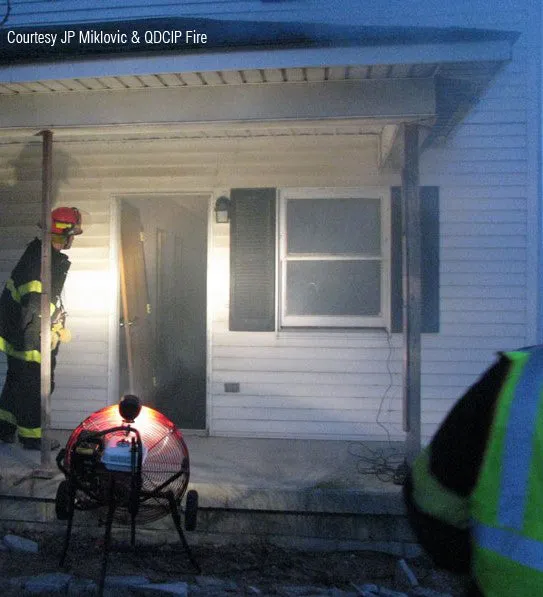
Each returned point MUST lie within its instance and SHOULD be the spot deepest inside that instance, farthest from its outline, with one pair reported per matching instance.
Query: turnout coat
(20, 302)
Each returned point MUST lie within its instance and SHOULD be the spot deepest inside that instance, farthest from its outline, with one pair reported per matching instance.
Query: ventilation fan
(133, 469)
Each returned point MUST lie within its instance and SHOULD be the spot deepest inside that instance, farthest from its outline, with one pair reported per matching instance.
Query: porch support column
(47, 170)
(411, 289)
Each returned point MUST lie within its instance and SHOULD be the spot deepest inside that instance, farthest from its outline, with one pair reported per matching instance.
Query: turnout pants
(20, 402)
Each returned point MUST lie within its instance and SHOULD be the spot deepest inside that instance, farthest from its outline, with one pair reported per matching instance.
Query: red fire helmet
(66, 221)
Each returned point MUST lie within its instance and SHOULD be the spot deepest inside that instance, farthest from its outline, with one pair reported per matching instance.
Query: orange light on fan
(154, 428)
(149, 415)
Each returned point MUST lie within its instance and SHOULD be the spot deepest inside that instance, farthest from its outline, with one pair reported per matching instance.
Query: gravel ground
(256, 564)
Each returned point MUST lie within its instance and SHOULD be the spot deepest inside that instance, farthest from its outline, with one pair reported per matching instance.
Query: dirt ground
(259, 565)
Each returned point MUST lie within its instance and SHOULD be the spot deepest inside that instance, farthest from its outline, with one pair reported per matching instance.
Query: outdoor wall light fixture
(222, 210)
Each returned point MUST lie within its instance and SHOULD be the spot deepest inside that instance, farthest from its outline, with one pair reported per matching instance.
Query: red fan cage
(131, 460)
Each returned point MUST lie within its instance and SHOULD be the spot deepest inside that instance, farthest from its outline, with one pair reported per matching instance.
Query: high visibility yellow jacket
(20, 302)
(480, 499)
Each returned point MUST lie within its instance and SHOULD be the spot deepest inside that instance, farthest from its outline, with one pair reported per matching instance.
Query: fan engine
(133, 470)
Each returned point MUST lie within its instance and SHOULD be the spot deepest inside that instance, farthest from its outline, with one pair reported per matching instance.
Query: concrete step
(309, 519)
(315, 498)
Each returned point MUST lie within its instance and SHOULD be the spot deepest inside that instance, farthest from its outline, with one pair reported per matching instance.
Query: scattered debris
(176, 589)
(138, 586)
(81, 587)
(404, 574)
(421, 592)
(16, 543)
(370, 590)
(125, 581)
(230, 570)
(210, 582)
(54, 583)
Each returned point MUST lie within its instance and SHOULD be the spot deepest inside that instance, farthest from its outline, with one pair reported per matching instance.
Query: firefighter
(20, 307)
(474, 496)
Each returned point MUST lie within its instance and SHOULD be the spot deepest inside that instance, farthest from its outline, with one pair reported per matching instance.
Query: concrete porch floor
(297, 491)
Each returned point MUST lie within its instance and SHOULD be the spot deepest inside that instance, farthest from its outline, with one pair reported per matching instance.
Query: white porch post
(411, 287)
(47, 147)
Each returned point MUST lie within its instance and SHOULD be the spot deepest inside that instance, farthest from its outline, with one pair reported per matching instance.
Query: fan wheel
(191, 510)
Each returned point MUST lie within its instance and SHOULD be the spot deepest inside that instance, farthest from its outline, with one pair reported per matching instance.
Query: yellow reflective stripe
(8, 417)
(63, 225)
(433, 498)
(18, 293)
(31, 356)
(32, 286)
(29, 433)
(10, 285)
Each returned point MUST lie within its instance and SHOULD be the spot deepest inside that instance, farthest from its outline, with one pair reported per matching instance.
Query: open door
(172, 338)
(137, 346)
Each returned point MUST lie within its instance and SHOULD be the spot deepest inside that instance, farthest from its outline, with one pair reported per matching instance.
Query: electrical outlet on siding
(232, 387)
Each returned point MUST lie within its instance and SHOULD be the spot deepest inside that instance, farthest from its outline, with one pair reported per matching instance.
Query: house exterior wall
(490, 205)
(99, 172)
(321, 384)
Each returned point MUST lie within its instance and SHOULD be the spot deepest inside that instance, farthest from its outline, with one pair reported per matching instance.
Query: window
(254, 296)
(334, 258)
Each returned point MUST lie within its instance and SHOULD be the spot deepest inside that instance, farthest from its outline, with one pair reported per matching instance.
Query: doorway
(173, 275)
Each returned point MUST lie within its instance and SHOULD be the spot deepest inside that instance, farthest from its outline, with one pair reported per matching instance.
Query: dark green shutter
(429, 259)
(252, 260)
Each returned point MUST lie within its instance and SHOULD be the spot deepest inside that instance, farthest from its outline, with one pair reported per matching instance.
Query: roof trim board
(485, 51)
(182, 35)
(390, 100)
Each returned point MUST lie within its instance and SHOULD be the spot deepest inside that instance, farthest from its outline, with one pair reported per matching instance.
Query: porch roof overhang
(372, 78)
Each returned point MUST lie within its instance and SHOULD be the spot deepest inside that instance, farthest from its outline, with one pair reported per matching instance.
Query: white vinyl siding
(313, 385)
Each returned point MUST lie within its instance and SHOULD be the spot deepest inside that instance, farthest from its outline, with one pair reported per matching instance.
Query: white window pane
(333, 288)
(333, 226)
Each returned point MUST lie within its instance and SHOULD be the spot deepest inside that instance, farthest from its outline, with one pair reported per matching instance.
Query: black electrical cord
(389, 387)
(380, 462)
(386, 464)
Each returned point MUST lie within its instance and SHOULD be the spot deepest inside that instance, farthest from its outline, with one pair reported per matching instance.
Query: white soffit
(220, 78)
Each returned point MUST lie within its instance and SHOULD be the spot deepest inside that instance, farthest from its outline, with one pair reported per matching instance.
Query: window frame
(330, 322)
